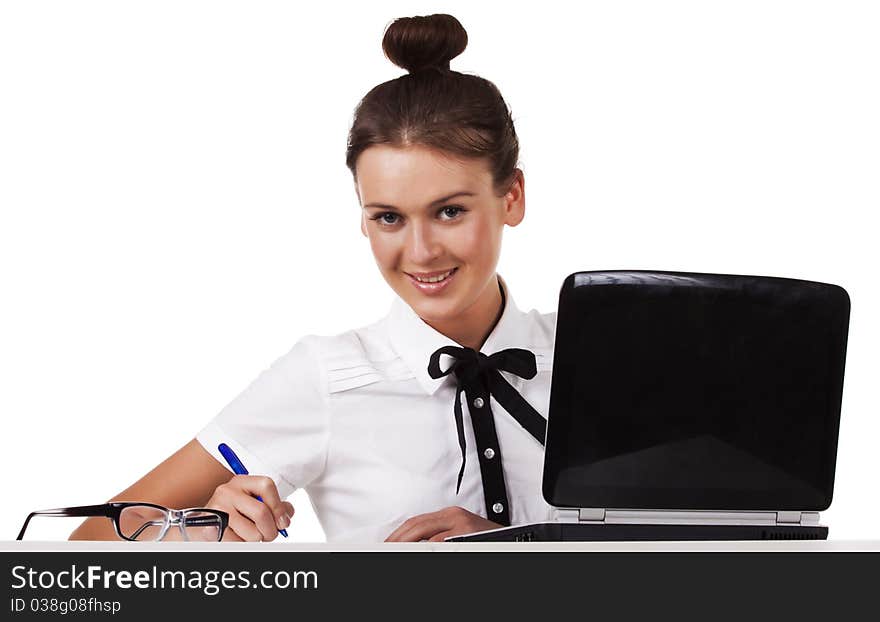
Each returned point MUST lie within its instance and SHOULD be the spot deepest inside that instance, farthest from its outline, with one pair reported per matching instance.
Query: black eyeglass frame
(113, 511)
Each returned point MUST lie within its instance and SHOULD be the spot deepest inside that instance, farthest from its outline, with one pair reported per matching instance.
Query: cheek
(384, 250)
(476, 243)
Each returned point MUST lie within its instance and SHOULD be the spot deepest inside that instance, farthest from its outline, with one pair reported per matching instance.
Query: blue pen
(238, 468)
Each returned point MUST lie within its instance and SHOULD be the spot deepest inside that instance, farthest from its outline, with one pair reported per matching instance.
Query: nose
(422, 245)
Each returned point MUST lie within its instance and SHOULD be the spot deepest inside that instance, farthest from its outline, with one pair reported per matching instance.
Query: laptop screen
(695, 391)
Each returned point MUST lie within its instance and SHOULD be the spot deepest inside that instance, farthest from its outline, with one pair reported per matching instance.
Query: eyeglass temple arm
(81, 510)
(201, 520)
(149, 523)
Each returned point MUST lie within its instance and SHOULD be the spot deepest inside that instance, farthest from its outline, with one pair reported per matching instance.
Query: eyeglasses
(147, 522)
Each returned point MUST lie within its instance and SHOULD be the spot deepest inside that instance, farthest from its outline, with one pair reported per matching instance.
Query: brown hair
(433, 106)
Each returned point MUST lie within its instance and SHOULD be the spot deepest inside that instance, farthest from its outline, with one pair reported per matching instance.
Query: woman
(372, 421)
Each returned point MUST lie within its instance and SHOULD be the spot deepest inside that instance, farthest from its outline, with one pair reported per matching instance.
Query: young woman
(429, 422)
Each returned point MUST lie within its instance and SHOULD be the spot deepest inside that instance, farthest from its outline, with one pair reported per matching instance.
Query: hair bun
(415, 43)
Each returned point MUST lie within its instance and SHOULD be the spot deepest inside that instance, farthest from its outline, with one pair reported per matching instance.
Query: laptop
(687, 406)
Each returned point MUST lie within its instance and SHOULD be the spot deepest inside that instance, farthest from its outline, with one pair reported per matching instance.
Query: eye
(387, 219)
(450, 212)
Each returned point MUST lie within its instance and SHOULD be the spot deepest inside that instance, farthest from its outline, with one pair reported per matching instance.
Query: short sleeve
(278, 425)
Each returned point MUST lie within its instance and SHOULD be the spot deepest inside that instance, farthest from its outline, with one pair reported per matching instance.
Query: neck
(473, 327)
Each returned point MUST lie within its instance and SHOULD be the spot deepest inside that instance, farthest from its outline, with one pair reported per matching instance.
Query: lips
(432, 282)
(432, 276)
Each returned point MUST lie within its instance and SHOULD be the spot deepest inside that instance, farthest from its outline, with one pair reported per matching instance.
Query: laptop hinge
(797, 518)
(567, 515)
(577, 515)
(591, 514)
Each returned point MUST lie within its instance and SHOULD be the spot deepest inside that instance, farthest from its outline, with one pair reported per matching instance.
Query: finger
(259, 514)
(414, 521)
(239, 528)
(242, 528)
(229, 534)
(406, 525)
(284, 521)
(264, 487)
(424, 529)
(440, 537)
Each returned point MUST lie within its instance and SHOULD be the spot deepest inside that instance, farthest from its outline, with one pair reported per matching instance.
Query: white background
(176, 211)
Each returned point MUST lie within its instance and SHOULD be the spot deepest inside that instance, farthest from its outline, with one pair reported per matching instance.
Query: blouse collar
(414, 340)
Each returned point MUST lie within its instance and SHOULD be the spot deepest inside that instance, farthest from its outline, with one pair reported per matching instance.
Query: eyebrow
(462, 193)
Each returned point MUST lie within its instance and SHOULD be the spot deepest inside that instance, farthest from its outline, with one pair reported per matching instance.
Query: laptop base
(604, 532)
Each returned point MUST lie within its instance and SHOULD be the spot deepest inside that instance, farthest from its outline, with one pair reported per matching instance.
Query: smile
(432, 282)
(434, 278)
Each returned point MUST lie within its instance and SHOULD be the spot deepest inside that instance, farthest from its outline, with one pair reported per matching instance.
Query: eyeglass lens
(201, 526)
(142, 522)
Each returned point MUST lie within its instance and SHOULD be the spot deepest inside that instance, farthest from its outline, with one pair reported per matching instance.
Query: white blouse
(357, 421)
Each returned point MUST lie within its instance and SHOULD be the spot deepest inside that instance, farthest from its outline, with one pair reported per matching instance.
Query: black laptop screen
(695, 391)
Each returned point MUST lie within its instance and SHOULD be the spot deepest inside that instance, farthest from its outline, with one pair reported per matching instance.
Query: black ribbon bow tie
(470, 366)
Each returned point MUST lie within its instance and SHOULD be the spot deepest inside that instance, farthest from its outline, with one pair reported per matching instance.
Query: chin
(433, 310)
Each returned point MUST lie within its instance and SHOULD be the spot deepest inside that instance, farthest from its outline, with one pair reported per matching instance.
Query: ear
(515, 200)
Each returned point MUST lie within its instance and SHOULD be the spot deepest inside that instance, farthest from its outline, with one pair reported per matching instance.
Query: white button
(489, 453)
(498, 508)
(478, 402)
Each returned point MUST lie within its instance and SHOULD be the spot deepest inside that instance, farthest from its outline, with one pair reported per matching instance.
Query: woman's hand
(435, 526)
(250, 520)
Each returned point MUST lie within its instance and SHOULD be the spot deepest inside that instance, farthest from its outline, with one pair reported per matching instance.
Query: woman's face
(434, 225)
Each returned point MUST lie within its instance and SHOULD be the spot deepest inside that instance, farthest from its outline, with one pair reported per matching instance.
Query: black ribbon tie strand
(471, 366)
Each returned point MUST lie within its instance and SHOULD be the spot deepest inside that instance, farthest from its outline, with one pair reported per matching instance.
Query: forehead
(414, 176)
